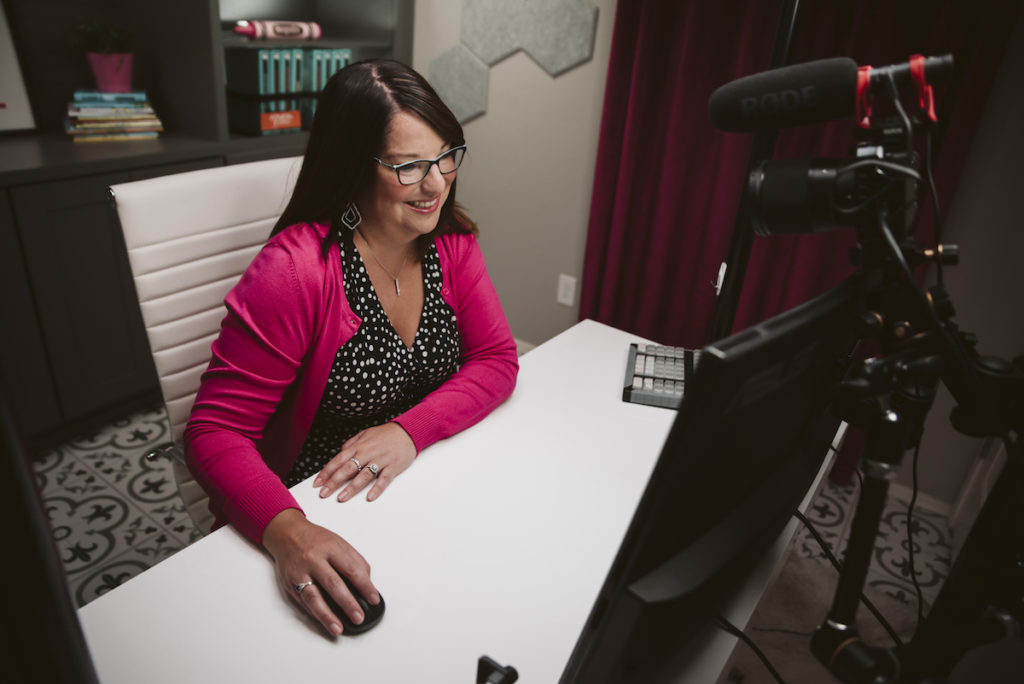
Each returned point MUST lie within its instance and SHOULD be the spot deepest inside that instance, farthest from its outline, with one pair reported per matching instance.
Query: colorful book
(111, 116)
(273, 89)
(110, 112)
(318, 61)
(72, 126)
(284, 77)
(340, 58)
(318, 70)
(272, 78)
(265, 79)
(107, 137)
(298, 77)
(95, 96)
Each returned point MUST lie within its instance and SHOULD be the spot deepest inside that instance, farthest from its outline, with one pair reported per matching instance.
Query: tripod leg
(837, 643)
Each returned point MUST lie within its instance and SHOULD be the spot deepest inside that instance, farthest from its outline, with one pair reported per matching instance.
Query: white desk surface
(495, 542)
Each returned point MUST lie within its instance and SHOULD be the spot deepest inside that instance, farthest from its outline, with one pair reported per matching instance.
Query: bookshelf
(179, 58)
(79, 356)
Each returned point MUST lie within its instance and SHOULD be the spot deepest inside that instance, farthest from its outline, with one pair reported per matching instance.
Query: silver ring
(373, 468)
(302, 585)
(358, 466)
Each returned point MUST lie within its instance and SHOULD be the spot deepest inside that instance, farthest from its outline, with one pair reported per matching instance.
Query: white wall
(529, 174)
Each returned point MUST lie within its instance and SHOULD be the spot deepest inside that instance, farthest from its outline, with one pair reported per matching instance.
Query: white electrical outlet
(566, 290)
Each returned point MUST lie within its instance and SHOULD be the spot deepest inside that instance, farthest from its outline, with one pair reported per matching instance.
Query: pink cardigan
(286, 319)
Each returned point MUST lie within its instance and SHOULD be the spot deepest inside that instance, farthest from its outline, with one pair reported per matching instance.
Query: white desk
(495, 542)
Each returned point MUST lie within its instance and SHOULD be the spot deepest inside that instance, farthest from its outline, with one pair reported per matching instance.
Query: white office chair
(189, 237)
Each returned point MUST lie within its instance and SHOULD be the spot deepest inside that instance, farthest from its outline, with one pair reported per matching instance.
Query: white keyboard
(656, 374)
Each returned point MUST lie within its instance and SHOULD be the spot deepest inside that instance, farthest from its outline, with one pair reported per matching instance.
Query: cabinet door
(24, 373)
(79, 273)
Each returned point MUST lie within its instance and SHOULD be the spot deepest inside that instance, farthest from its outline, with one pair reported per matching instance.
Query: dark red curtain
(667, 183)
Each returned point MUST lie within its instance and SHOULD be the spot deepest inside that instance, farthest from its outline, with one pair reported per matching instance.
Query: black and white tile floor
(115, 513)
(832, 513)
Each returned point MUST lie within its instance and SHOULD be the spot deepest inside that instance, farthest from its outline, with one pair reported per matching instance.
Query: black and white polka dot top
(375, 377)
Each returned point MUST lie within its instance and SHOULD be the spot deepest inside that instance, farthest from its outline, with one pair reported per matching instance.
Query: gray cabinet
(24, 369)
(76, 268)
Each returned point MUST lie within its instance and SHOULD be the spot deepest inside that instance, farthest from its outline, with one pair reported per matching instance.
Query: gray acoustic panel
(460, 78)
(490, 28)
(561, 36)
(557, 34)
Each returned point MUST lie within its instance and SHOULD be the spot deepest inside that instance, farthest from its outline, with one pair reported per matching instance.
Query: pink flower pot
(113, 72)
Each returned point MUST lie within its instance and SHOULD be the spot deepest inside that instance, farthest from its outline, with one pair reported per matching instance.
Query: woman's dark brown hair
(350, 128)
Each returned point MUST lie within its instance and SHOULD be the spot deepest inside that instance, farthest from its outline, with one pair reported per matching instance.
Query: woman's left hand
(388, 447)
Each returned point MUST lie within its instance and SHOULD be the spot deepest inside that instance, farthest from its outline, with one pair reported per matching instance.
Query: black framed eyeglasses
(412, 172)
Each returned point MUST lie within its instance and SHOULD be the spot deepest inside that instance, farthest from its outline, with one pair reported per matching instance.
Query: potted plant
(109, 51)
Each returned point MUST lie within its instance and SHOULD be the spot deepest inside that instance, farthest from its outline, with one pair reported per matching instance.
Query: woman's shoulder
(460, 257)
(295, 252)
(290, 267)
(456, 245)
(301, 237)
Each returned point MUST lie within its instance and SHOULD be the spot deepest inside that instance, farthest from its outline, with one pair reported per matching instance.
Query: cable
(860, 478)
(930, 177)
(894, 247)
(732, 629)
(882, 164)
(894, 95)
(839, 567)
(868, 201)
(910, 535)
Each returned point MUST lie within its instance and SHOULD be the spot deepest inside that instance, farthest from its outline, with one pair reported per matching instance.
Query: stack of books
(94, 116)
(274, 89)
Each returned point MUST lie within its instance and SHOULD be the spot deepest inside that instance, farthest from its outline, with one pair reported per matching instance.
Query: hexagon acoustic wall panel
(556, 34)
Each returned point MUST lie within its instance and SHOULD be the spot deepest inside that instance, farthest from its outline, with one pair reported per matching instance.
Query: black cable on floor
(839, 567)
(732, 629)
(910, 536)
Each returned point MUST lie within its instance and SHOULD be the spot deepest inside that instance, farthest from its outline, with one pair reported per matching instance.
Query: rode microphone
(811, 92)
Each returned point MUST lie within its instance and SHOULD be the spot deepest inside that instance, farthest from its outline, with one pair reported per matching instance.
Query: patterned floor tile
(140, 556)
(931, 557)
(113, 512)
(832, 513)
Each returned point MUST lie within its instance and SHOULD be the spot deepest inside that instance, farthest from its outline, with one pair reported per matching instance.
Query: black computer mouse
(371, 613)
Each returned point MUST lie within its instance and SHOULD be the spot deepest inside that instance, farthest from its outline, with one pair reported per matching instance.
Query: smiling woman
(395, 211)
(365, 330)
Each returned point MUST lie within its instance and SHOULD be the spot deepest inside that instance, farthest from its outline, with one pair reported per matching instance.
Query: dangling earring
(351, 218)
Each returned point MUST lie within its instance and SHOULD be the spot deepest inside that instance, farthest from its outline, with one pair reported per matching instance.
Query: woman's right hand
(305, 552)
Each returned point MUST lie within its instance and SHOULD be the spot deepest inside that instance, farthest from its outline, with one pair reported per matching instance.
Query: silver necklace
(398, 289)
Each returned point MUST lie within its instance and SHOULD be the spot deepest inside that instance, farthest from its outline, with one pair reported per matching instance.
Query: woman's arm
(489, 364)
(256, 358)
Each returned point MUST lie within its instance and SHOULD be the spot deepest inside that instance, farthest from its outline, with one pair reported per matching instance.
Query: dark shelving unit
(73, 354)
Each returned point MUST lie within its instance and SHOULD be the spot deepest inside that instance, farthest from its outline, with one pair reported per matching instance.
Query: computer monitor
(751, 434)
(41, 639)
